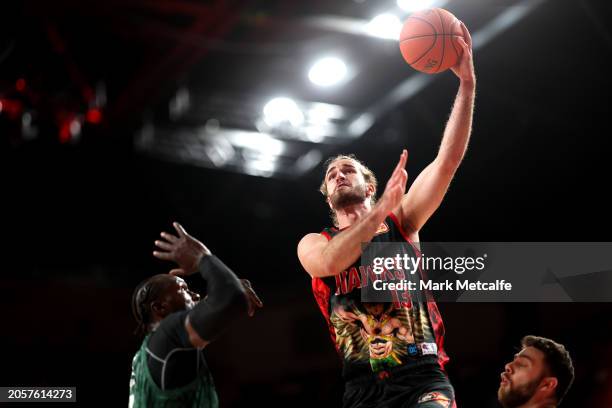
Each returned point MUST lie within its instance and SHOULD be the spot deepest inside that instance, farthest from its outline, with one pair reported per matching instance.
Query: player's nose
(195, 296)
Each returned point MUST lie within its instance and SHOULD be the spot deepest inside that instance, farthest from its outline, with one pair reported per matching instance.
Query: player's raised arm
(227, 296)
(166, 370)
(429, 188)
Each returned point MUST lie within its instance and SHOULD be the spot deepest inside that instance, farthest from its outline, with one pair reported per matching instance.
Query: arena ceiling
(189, 80)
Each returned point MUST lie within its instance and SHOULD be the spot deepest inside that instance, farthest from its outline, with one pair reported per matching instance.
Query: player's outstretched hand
(183, 249)
(464, 69)
(396, 186)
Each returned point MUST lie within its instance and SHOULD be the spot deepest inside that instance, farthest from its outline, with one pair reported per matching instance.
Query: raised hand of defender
(184, 250)
(396, 186)
(464, 69)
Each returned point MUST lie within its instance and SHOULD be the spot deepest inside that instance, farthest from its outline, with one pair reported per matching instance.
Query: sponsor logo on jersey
(441, 399)
(428, 348)
(412, 349)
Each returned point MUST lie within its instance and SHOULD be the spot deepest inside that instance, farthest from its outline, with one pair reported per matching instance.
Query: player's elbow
(326, 268)
(332, 270)
(232, 301)
(212, 316)
(321, 270)
(316, 258)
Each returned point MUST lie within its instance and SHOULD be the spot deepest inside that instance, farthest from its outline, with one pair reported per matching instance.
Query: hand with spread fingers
(173, 317)
(185, 250)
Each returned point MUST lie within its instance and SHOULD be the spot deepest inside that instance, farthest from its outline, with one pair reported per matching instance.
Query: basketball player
(169, 370)
(539, 376)
(392, 358)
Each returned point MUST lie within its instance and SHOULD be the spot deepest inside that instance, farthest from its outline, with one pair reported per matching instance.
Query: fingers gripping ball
(428, 41)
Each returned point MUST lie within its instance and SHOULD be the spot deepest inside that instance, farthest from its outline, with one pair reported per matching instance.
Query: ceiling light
(387, 26)
(327, 71)
(282, 109)
(414, 5)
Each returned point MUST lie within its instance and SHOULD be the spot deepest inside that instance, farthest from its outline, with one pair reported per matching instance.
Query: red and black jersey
(374, 337)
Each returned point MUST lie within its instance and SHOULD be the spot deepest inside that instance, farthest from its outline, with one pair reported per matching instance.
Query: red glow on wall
(94, 116)
(20, 85)
(11, 108)
(64, 132)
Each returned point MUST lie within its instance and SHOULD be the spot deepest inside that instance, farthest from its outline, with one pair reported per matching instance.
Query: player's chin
(504, 388)
(500, 393)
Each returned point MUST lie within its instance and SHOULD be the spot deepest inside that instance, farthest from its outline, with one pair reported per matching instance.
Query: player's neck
(153, 326)
(351, 214)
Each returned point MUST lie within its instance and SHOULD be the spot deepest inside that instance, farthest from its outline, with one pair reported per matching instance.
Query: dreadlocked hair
(146, 291)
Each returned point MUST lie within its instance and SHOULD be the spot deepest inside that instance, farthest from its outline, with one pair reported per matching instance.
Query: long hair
(145, 292)
(368, 176)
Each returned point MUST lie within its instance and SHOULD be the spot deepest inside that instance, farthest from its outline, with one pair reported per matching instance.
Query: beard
(514, 397)
(345, 198)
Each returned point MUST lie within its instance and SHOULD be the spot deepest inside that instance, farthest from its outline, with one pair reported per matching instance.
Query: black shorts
(422, 386)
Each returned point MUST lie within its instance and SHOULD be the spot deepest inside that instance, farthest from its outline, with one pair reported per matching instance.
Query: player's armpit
(310, 252)
(194, 337)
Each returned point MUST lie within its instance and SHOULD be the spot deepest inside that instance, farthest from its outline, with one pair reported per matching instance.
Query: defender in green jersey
(169, 370)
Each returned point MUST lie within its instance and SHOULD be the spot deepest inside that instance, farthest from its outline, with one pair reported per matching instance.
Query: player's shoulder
(313, 238)
(172, 330)
(310, 246)
(309, 252)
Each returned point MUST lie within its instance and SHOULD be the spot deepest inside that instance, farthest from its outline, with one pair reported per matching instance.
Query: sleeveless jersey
(373, 338)
(145, 393)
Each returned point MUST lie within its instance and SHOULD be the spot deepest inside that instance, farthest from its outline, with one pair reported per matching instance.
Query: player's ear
(159, 308)
(370, 190)
(549, 384)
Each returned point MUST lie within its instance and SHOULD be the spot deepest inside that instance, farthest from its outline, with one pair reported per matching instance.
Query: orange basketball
(428, 41)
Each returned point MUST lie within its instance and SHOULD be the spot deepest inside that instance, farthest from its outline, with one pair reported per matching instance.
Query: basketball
(428, 41)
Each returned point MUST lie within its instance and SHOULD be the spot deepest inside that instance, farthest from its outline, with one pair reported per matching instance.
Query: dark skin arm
(188, 252)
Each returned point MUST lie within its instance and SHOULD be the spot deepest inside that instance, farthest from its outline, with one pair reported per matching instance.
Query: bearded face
(512, 395)
(522, 378)
(345, 184)
(347, 195)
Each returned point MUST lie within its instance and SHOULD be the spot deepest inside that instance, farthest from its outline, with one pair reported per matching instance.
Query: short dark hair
(557, 360)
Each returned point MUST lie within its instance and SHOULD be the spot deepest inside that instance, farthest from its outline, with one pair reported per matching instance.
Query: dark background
(80, 217)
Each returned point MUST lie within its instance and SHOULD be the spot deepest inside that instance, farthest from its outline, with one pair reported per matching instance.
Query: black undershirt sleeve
(169, 345)
(225, 301)
(172, 359)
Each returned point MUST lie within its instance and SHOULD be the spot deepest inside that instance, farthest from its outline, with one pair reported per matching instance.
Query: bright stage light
(327, 71)
(414, 5)
(386, 26)
(282, 109)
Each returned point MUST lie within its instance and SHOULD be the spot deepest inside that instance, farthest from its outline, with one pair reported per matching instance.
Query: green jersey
(145, 393)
